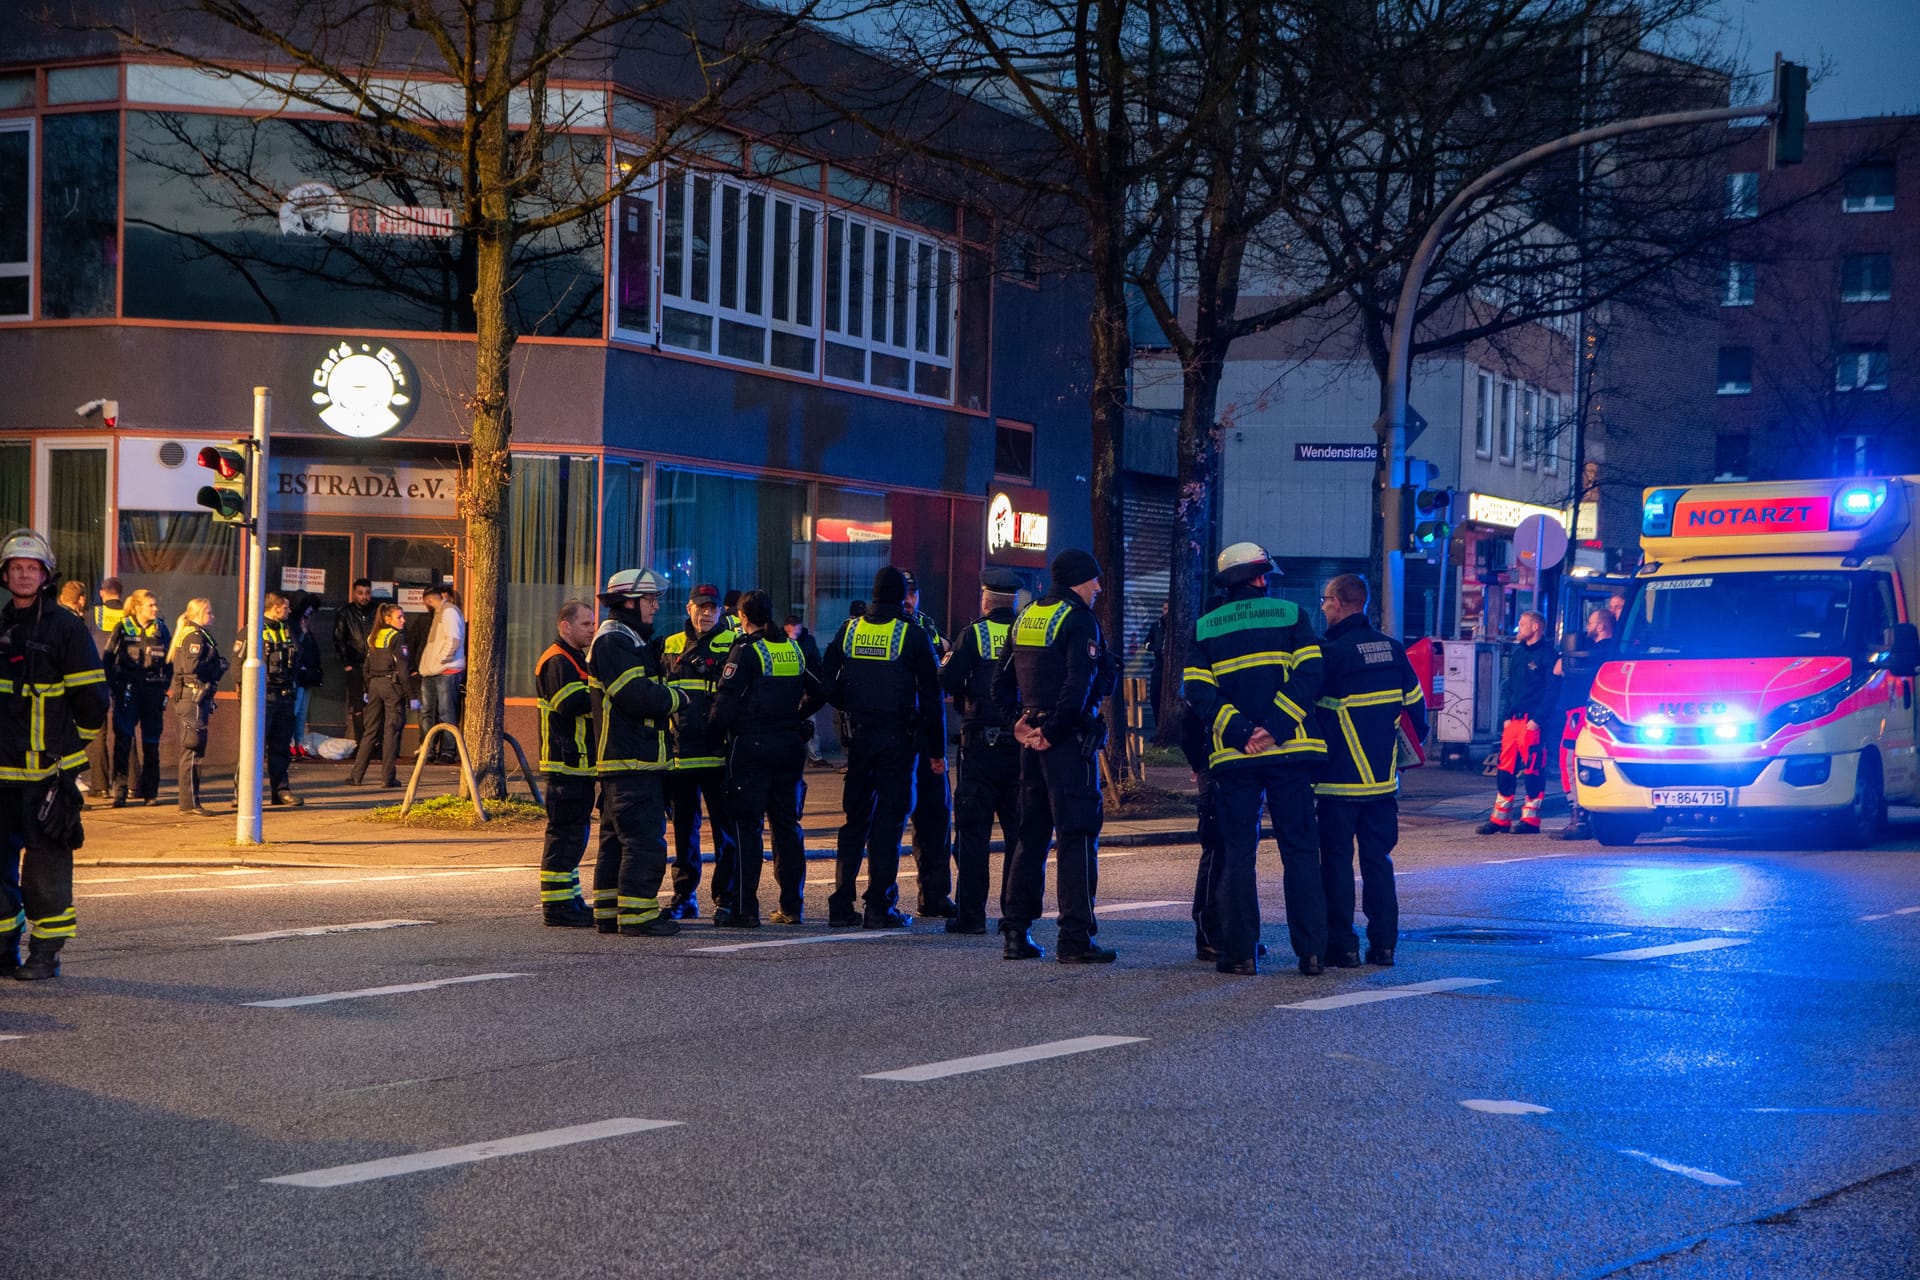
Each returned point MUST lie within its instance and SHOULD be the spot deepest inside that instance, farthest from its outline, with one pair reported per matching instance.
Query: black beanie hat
(889, 586)
(1071, 568)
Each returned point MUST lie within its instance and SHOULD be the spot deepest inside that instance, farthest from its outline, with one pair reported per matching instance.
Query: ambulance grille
(1732, 773)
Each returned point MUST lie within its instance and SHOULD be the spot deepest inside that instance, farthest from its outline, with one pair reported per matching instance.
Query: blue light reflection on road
(1673, 889)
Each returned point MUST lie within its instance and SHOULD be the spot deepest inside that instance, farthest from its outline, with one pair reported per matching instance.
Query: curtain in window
(77, 494)
(732, 531)
(550, 556)
(16, 493)
(623, 519)
(179, 556)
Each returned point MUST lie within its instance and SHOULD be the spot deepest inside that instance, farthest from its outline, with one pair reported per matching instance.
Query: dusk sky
(1873, 46)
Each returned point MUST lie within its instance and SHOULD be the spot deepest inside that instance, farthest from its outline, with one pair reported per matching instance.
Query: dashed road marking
(845, 935)
(1505, 1107)
(290, 1002)
(1707, 1176)
(1898, 911)
(303, 884)
(321, 930)
(1374, 995)
(1671, 949)
(1004, 1058)
(1106, 909)
(545, 1140)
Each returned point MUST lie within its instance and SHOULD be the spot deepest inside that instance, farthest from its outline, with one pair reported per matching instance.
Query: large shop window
(79, 212)
(738, 273)
(852, 540)
(181, 556)
(890, 308)
(550, 555)
(16, 219)
(736, 532)
(623, 520)
(234, 220)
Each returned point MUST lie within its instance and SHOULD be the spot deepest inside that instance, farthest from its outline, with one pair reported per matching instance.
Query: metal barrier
(467, 787)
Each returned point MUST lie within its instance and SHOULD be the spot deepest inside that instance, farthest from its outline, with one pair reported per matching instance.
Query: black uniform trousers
(279, 728)
(878, 795)
(1374, 824)
(139, 710)
(38, 885)
(356, 701)
(932, 825)
(1059, 796)
(1287, 792)
(100, 753)
(386, 716)
(685, 790)
(191, 716)
(989, 787)
(569, 819)
(1208, 874)
(764, 786)
(633, 845)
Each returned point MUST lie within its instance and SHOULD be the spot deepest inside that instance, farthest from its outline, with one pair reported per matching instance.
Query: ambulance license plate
(1691, 798)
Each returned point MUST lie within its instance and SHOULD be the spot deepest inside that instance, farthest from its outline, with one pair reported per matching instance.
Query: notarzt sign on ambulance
(1751, 515)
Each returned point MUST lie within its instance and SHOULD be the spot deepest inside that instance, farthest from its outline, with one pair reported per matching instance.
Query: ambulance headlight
(1656, 734)
(1599, 713)
(1820, 705)
(1856, 504)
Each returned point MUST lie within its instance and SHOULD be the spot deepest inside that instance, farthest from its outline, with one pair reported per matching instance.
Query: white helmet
(632, 584)
(27, 544)
(1242, 562)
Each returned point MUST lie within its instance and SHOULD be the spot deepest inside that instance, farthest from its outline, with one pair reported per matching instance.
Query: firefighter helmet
(27, 544)
(1242, 562)
(632, 584)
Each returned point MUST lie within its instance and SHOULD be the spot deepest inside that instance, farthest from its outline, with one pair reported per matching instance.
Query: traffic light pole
(1400, 347)
(253, 686)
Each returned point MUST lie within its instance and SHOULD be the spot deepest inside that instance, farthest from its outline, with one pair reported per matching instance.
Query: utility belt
(857, 728)
(991, 735)
(1088, 738)
(193, 689)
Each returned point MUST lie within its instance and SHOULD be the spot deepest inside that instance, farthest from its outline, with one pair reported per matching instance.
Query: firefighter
(198, 666)
(932, 796)
(763, 709)
(1530, 697)
(567, 759)
(280, 650)
(633, 706)
(693, 657)
(881, 671)
(1576, 688)
(389, 682)
(353, 626)
(138, 676)
(1208, 873)
(1055, 673)
(53, 702)
(989, 757)
(1253, 674)
(1368, 686)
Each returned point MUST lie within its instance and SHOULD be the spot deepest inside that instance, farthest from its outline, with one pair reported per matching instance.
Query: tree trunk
(1112, 350)
(1197, 457)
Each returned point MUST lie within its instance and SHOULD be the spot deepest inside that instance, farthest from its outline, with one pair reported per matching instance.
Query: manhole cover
(1504, 937)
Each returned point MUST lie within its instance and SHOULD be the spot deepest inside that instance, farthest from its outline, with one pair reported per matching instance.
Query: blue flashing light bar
(1656, 514)
(1856, 504)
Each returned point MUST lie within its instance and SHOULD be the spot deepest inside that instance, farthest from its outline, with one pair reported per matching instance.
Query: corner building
(758, 368)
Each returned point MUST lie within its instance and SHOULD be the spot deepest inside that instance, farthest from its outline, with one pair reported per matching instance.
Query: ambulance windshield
(1744, 615)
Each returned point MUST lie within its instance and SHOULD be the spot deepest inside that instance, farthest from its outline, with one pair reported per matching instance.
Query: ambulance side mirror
(1903, 658)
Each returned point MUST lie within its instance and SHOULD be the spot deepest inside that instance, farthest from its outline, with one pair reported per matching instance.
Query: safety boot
(572, 914)
(286, 798)
(43, 960)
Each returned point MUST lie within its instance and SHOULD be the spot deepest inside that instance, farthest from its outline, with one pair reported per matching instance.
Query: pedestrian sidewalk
(327, 831)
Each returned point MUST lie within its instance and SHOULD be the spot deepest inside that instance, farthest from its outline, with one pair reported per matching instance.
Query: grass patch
(457, 811)
(1144, 800)
(1163, 757)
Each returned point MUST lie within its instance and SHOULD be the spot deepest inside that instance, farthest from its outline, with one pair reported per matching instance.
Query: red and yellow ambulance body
(1766, 663)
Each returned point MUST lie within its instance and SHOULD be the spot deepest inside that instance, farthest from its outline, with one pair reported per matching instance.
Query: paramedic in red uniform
(1531, 703)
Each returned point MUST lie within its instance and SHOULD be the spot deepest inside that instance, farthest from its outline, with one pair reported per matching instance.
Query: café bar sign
(1017, 527)
(315, 487)
(364, 390)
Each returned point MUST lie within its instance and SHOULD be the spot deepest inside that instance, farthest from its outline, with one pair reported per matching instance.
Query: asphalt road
(1679, 1060)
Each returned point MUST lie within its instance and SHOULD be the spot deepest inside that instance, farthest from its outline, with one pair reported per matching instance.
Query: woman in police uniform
(197, 668)
(139, 677)
(388, 688)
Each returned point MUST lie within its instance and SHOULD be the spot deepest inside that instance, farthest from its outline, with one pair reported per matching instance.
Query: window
(16, 219)
(1853, 455)
(551, 551)
(1020, 259)
(1550, 434)
(890, 308)
(1737, 289)
(79, 214)
(738, 273)
(1013, 450)
(1743, 195)
(1530, 428)
(1730, 457)
(1866, 277)
(1509, 421)
(1733, 375)
(1483, 418)
(1869, 188)
(633, 259)
(1861, 367)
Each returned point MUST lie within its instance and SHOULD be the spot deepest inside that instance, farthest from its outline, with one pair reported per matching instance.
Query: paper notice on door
(410, 598)
(297, 578)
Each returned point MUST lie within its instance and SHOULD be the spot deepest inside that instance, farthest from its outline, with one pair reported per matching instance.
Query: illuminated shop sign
(364, 389)
(1484, 508)
(1017, 526)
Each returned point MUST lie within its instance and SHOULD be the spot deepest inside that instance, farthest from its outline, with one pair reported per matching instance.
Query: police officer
(389, 679)
(567, 759)
(693, 657)
(280, 650)
(932, 796)
(881, 671)
(105, 618)
(1531, 701)
(764, 709)
(1054, 675)
(138, 676)
(1253, 673)
(353, 626)
(989, 757)
(633, 706)
(198, 666)
(53, 701)
(1368, 686)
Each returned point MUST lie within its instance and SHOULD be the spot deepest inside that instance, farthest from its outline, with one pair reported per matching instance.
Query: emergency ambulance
(1766, 664)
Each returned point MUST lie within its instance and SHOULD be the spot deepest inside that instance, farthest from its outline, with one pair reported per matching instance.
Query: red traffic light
(225, 461)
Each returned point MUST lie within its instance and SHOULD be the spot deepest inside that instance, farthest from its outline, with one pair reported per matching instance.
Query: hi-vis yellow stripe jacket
(53, 692)
(1368, 685)
(1255, 663)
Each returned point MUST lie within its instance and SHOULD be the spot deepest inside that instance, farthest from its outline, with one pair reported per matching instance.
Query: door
(319, 564)
(73, 507)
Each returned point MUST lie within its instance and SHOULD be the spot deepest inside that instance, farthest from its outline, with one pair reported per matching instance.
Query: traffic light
(1430, 514)
(226, 497)
(1790, 125)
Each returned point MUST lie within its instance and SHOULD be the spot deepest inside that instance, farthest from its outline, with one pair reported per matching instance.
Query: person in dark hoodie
(880, 670)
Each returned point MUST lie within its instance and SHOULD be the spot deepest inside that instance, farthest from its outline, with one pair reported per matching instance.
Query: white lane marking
(302, 884)
(347, 1174)
(1505, 1107)
(1707, 1176)
(1105, 909)
(1671, 949)
(1898, 911)
(182, 875)
(321, 930)
(290, 1002)
(908, 873)
(1004, 1058)
(12, 1037)
(846, 935)
(1377, 994)
(1532, 857)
